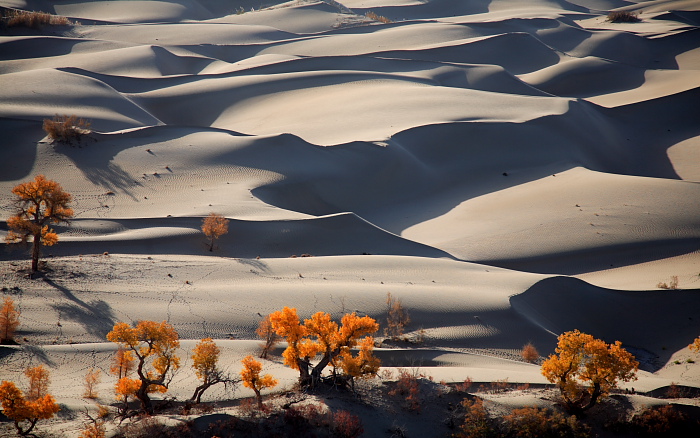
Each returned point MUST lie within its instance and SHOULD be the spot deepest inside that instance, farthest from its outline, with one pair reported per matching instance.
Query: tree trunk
(142, 395)
(211, 244)
(36, 251)
(258, 397)
(594, 397)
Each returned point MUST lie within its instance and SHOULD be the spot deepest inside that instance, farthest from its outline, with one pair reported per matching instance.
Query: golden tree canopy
(39, 203)
(214, 226)
(585, 368)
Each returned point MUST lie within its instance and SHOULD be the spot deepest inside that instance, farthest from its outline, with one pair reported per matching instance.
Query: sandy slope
(509, 170)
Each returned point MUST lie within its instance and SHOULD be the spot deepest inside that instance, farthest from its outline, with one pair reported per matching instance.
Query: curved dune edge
(509, 171)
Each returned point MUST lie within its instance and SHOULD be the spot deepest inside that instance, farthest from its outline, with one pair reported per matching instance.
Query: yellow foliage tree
(205, 361)
(122, 367)
(318, 336)
(38, 382)
(39, 203)
(365, 364)
(9, 321)
(214, 226)
(695, 346)
(585, 369)
(153, 345)
(250, 375)
(92, 378)
(267, 333)
(37, 405)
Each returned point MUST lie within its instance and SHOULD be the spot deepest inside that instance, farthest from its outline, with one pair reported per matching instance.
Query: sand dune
(509, 170)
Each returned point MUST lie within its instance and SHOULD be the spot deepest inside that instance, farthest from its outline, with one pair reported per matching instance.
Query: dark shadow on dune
(97, 317)
(656, 322)
(18, 147)
(428, 9)
(599, 258)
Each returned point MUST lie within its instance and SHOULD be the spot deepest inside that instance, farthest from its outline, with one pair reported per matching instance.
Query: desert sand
(510, 170)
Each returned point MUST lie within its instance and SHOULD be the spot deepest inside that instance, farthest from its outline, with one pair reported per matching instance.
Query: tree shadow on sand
(96, 317)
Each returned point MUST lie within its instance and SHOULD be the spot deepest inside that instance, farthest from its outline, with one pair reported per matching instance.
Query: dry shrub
(95, 429)
(476, 422)
(464, 386)
(672, 285)
(66, 129)
(34, 19)
(530, 353)
(382, 19)
(532, 422)
(499, 385)
(151, 427)
(397, 317)
(306, 417)
(660, 421)
(346, 425)
(622, 17)
(408, 387)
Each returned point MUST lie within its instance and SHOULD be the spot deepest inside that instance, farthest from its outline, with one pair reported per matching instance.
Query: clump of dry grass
(373, 16)
(66, 128)
(34, 19)
(622, 17)
(672, 285)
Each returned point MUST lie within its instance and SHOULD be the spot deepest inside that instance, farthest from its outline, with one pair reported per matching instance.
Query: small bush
(529, 353)
(34, 19)
(408, 387)
(499, 385)
(476, 421)
(663, 421)
(382, 19)
(464, 386)
(672, 285)
(622, 17)
(66, 129)
(346, 425)
(532, 422)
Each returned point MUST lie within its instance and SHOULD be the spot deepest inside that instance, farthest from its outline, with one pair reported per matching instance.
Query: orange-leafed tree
(26, 410)
(39, 204)
(92, 378)
(251, 378)
(319, 336)
(267, 333)
(153, 346)
(585, 369)
(9, 321)
(214, 226)
(122, 368)
(364, 364)
(205, 361)
(39, 382)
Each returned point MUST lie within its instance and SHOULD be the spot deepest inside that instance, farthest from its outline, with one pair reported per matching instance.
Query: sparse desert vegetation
(66, 128)
(622, 17)
(33, 19)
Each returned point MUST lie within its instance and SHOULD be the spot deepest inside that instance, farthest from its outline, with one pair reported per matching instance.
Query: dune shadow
(654, 324)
